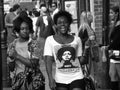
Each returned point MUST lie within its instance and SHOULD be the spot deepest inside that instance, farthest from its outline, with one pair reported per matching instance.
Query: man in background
(54, 8)
(44, 27)
(9, 18)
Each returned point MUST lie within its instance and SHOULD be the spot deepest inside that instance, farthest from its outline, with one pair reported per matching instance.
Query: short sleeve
(79, 50)
(48, 47)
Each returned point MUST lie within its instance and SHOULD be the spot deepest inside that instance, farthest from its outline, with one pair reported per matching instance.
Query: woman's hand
(92, 37)
(52, 84)
(13, 53)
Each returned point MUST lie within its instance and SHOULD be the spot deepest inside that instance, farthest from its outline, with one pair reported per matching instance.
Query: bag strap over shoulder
(31, 46)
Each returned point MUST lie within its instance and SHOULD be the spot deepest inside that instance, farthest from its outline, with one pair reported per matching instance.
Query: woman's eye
(62, 23)
(26, 28)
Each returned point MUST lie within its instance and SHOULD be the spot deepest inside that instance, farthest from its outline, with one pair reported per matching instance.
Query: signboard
(71, 7)
(25, 0)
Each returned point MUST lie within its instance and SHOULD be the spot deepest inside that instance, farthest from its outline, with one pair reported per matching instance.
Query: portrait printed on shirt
(66, 59)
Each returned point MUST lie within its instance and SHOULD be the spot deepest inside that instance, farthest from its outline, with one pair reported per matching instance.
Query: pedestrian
(65, 50)
(44, 26)
(114, 48)
(9, 22)
(45, 23)
(90, 45)
(23, 63)
(88, 36)
(54, 9)
(86, 32)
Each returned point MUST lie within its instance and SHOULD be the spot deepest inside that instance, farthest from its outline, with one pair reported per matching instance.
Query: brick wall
(98, 8)
(98, 19)
(100, 69)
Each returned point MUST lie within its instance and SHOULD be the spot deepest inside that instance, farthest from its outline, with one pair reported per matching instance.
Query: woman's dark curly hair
(116, 9)
(19, 20)
(63, 13)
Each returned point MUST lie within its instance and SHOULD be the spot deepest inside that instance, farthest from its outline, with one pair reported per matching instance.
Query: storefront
(29, 4)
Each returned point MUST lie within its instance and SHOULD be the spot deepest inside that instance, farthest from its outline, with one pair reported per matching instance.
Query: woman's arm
(24, 60)
(84, 58)
(49, 62)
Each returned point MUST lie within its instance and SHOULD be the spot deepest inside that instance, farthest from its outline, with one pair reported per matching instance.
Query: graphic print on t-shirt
(66, 59)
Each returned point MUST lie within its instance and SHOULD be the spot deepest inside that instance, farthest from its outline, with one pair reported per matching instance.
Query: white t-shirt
(68, 67)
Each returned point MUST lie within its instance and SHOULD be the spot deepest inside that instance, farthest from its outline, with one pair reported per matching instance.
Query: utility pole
(1, 26)
(3, 53)
(105, 26)
(106, 6)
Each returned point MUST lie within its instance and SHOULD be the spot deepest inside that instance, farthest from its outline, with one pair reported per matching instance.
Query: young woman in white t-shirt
(66, 51)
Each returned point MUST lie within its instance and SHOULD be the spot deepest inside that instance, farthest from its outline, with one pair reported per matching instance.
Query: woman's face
(90, 18)
(112, 15)
(66, 55)
(62, 25)
(24, 30)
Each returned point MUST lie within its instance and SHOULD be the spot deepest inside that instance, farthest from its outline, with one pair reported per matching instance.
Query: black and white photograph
(59, 45)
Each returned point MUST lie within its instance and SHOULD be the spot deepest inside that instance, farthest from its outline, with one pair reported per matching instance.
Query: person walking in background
(85, 30)
(44, 23)
(82, 33)
(54, 9)
(89, 42)
(114, 48)
(65, 50)
(44, 26)
(9, 22)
